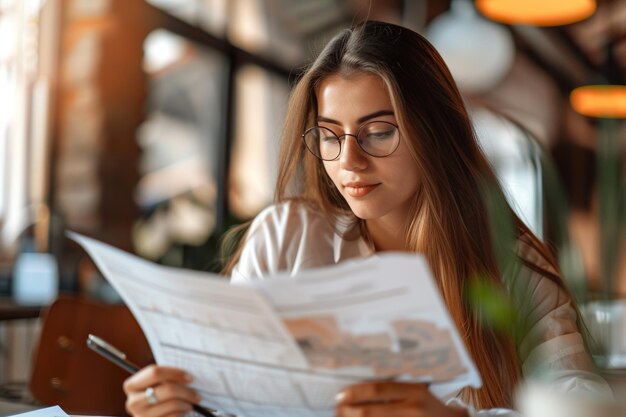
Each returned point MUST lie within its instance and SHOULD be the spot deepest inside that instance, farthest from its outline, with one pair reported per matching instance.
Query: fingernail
(340, 396)
(188, 378)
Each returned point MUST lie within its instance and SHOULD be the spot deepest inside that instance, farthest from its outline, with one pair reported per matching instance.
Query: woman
(379, 154)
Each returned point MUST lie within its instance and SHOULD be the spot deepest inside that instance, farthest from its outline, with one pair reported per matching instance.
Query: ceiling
(572, 55)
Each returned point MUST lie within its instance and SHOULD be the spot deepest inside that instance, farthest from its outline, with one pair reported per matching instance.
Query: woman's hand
(159, 391)
(392, 399)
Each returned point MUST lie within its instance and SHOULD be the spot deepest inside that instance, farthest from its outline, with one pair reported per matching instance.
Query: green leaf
(494, 307)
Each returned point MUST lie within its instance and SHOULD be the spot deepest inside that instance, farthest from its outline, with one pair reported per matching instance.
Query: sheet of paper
(380, 317)
(240, 349)
(54, 411)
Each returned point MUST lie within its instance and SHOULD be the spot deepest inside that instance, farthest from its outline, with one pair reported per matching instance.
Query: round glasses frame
(356, 137)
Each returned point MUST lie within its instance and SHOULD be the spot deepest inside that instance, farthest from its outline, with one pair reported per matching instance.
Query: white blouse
(292, 237)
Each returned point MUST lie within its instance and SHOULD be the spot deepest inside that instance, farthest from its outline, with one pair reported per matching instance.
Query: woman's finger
(422, 405)
(381, 391)
(397, 409)
(135, 402)
(153, 375)
(165, 392)
(139, 400)
(166, 408)
(169, 399)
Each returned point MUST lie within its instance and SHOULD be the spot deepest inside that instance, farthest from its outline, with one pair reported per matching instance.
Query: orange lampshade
(537, 12)
(600, 100)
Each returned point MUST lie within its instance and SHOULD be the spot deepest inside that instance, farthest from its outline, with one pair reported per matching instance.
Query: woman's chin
(363, 211)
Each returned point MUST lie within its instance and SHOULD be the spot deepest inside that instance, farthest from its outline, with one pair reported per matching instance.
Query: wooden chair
(68, 374)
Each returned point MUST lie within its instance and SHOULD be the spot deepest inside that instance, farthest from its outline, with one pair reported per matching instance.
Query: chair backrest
(67, 373)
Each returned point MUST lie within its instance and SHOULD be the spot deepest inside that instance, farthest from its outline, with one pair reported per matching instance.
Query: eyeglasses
(376, 138)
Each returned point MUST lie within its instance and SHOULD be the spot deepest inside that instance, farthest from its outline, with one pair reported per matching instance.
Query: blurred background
(153, 125)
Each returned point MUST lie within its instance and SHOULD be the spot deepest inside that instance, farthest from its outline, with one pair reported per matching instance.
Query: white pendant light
(479, 53)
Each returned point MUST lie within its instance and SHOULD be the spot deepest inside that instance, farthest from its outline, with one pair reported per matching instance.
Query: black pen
(118, 357)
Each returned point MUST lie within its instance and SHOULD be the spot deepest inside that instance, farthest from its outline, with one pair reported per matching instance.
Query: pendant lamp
(607, 101)
(537, 12)
(478, 52)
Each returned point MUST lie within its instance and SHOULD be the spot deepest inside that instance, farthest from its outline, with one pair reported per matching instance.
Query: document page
(54, 411)
(381, 317)
(285, 346)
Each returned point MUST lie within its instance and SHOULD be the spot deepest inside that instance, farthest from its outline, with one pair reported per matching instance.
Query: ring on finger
(151, 396)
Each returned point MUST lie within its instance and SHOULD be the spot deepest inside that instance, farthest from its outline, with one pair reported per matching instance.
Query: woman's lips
(359, 190)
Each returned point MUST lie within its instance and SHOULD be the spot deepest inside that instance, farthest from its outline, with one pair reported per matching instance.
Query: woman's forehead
(355, 92)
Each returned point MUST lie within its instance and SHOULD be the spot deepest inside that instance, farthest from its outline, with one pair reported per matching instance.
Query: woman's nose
(352, 157)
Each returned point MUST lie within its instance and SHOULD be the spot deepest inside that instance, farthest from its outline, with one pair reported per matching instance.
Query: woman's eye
(383, 134)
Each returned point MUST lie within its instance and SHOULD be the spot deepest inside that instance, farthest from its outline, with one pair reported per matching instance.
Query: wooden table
(11, 310)
(9, 408)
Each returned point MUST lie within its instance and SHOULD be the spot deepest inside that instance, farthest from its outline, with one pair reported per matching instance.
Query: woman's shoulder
(538, 285)
(536, 255)
(290, 216)
(287, 236)
(551, 339)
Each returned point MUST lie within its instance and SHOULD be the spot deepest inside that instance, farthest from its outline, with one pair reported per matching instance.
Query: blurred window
(515, 156)
(210, 15)
(261, 102)
(269, 28)
(247, 25)
(23, 116)
(180, 142)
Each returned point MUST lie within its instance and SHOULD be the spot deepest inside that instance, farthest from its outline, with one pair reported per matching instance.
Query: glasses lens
(322, 143)
(379, 138)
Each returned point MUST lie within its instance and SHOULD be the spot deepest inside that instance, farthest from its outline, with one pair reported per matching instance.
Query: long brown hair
(449, 222)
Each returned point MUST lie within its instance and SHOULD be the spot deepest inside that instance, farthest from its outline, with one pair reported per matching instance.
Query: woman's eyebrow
(373, 115)
(360, 119)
